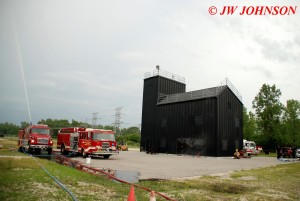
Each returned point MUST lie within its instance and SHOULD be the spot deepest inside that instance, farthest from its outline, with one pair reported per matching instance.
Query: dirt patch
(15, 157)
(248, 178)
(44, 190)
(223, 187)
(274, 195)
(225, 175)
(21, 169)
(84, 188)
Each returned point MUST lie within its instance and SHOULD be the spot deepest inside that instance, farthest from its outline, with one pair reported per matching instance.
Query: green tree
(130, 135)
(24, 124)
(130, 130)
(249, 125)
(75, 123)
(106, 127)
(291, 121)
(55, 123)
(268, 112)
(9, 129)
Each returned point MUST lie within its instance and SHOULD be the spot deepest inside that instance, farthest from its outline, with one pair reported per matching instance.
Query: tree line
(272, 123)
(56, 124)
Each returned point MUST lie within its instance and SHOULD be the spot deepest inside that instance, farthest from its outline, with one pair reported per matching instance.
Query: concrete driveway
(169, 166)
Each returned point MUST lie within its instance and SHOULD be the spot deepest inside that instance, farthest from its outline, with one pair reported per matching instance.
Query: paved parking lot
(169, 166)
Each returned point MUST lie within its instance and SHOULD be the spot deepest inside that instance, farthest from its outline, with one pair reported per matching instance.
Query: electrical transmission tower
(94, 119)
(118, 121)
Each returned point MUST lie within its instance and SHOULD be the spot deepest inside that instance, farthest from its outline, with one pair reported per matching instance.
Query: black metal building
(204, 122)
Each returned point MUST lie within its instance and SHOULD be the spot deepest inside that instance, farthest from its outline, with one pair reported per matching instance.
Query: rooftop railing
(166, 75)
(226, 82)
(192, 95)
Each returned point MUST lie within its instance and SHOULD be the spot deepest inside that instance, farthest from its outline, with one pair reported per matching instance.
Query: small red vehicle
(35, 138)
(87, 141)
(259, 149)
(286, 152)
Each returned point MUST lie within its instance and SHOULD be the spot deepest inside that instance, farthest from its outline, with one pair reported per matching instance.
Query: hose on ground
(54, 178)
(124, 182)
(109, 175)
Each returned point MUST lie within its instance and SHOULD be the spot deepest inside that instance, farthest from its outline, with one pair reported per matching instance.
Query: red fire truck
(87, 141)
(35, 138)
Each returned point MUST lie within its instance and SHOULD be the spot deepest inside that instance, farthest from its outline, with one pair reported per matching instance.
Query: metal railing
(214, 91)
(166, 75)
(187, 95)
(226, 82)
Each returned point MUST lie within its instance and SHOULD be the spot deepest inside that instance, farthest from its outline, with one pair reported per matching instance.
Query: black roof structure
(198, 94)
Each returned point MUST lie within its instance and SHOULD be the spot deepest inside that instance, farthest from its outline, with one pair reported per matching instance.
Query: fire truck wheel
(38, 151)
(20, 147)
(30, 150)
(49, 151)
(106, 156)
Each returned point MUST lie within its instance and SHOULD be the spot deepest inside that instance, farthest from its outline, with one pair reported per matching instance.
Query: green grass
(9, 146)
(271, 154)
(21, 178)
(133, 144)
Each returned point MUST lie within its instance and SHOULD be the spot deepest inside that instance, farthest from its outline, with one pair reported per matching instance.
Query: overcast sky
(81, 57)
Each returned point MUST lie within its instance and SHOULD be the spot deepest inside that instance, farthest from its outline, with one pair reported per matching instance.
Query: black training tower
(205, 122)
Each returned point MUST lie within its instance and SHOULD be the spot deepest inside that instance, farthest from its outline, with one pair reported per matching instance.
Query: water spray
(22, 70)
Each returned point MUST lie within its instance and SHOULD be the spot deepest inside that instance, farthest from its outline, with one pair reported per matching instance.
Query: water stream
(22, 70)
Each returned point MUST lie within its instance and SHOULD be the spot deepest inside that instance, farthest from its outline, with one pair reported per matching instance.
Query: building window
(237, 122)
(229, 105)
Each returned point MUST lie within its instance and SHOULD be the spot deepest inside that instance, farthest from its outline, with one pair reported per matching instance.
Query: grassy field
(22, 178)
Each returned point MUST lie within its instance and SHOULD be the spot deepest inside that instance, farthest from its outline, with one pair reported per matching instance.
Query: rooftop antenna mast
(157, 68)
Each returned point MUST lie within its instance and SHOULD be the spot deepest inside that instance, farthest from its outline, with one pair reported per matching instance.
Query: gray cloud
(276, 50)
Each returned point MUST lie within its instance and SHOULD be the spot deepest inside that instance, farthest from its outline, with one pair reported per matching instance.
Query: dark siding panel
(191, 127)
(150, 138)
(210, 126)
(148, 113)
(230, 123)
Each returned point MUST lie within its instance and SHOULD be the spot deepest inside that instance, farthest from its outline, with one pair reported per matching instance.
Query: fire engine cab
(35, 138)
(87, 141)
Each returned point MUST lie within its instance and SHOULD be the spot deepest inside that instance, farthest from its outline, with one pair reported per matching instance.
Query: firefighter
(236, 154)
(294, 151)
(278, 150)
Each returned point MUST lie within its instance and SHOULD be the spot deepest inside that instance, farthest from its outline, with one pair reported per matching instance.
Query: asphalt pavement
(170, 166)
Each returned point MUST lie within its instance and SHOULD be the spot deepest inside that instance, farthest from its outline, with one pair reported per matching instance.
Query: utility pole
(118, 121)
